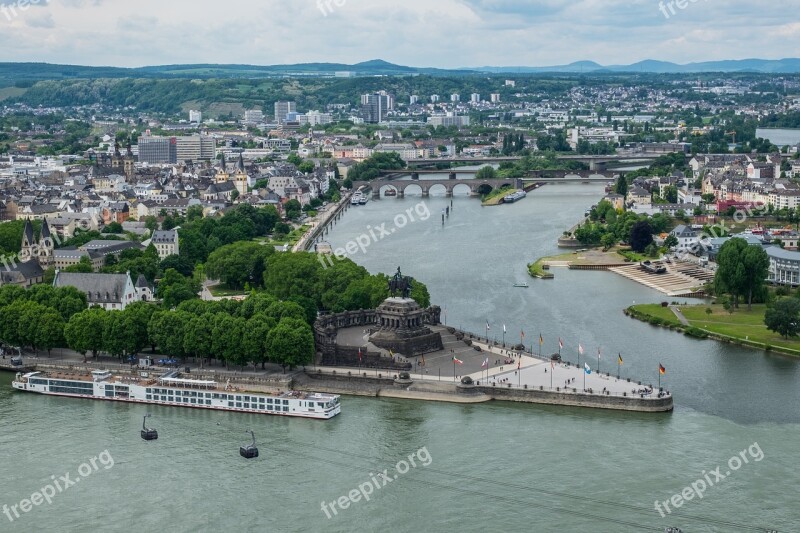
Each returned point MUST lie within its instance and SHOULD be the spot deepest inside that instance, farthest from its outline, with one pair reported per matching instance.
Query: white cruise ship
(171, 389)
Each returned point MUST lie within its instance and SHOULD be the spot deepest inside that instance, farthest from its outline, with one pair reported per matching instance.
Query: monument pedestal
(403, 330)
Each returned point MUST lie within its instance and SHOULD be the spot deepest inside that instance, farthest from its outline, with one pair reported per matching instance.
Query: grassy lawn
(664, 313)
(290, 239)
(223, 291)
(743, 325)
(494, 197)
(536, 270)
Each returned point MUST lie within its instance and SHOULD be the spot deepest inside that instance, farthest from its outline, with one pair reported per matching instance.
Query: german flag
(661, 369)
(619, 358)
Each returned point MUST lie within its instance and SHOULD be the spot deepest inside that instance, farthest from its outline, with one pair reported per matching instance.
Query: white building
(434, 98)
(455, 97)
(112, 292)
(254, 116)
(687, 238)
(165, 241)
(475, 98)
(195, 117)
(495, 98)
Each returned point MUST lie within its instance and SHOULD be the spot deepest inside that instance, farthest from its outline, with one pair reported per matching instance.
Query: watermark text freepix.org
(58, 485)
(667, 7)
(376, 482)
(328, 6)
(13, 9)
(709, 479)
(377, 233)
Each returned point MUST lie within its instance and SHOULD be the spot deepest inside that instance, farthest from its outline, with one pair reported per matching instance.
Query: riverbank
(743, 328)
(617, 394)
(352, 382)
(584, 259)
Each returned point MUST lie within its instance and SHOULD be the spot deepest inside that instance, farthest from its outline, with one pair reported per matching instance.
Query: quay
(431, 380)
(486, 371)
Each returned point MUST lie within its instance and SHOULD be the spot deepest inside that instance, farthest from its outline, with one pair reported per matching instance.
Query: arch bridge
(449, 185)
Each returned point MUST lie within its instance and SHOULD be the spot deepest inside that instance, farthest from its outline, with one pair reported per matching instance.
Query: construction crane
(732, 134)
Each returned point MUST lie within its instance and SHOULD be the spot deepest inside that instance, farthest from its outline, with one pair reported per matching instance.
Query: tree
(113, 227)
(84, 266)
(621, 186)
(83, 332)
(291, 343)
(486, 173)
(175, 288)
(784, 317)
(239, 263)
(608, 240)
(293, 209)
(741, 270)
(756, 269)
(198, 339)
(671, 241)
(641, 236)
(167, 329)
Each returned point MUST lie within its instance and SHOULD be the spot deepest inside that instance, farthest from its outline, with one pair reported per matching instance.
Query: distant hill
(25, 74)
(769, 66)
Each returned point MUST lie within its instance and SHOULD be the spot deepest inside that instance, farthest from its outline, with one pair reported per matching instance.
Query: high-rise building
(158, 150)
(254, 116)
(195, 117)
(413, 100)
(196, 148)
(455, 97)
(495, 98)
(282, 109)
(315, 118)
(450, 119)
(434, 98)
(475, 98)
(374, 107)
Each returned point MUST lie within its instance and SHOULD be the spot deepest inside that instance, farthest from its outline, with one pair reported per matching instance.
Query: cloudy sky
(437, 33)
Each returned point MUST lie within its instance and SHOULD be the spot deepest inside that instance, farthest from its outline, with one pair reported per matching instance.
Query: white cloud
(440, 33)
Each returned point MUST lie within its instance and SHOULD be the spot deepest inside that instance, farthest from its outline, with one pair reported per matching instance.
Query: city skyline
(445, 34)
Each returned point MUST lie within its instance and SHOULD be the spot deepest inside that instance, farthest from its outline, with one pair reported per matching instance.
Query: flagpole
(619, 365)
(598, 360)
(552, 371)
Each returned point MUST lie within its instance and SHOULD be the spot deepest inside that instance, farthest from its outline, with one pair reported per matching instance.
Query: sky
(420, 33)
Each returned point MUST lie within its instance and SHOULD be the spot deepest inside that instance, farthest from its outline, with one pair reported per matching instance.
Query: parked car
(167, 362)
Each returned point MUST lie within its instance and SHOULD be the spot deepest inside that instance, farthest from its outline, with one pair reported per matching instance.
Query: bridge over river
(450, 183)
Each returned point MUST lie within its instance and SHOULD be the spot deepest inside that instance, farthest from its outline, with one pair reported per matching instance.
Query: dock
(682, 279)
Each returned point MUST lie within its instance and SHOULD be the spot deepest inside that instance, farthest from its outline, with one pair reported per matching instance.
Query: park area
(742, 326)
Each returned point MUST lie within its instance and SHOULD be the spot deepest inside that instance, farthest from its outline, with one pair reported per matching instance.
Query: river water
(780, 136)
(491, 467)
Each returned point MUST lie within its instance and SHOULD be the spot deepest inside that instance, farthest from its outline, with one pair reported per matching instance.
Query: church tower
(222, 174)
(28, 249)
(116, 160)
(129, 163)
(240, 177)
(46, 246)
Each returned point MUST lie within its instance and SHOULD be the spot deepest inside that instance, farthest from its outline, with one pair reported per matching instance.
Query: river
(492, 467)
(780, 136)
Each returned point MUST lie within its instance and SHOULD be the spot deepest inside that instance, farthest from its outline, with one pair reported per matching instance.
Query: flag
(504, 328)
(519, 363)
(485, 363)
(423, 359)
(560, 343)
(619, 358)
(580, 349)
(552, 364)
(587, 368)
(359, 354)
(391, 354)
(598, 352)
(541, 339)
(661, 369)
(487, 326)
(457, 361)
(521, 334)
